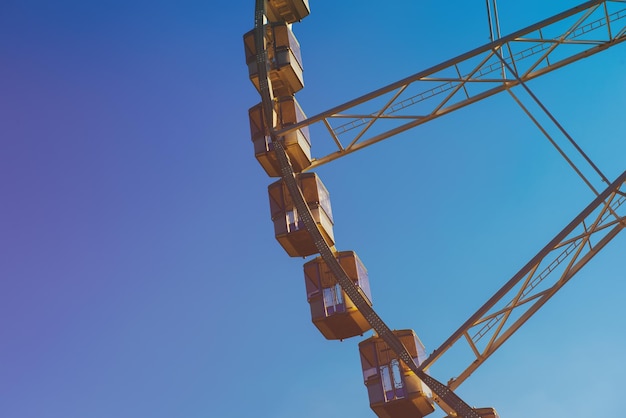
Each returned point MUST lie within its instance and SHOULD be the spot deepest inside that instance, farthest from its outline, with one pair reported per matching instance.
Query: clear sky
(139, 275)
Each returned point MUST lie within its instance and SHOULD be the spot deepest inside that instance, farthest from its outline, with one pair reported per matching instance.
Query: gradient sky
(139, 275)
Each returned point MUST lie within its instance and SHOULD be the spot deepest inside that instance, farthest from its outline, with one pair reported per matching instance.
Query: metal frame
(527, 289)
(539, 280)
(445, 397)
(529, 53)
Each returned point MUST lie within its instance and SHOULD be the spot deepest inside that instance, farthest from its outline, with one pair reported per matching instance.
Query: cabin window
(393, 385)
(324, 200)
(363, 281)
(300, 116)
(292, 220)
(333, 300)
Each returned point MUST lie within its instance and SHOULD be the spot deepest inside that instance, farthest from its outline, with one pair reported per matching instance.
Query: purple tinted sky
(138, 272)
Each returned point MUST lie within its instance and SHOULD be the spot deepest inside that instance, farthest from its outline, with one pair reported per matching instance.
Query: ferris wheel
(394, 362)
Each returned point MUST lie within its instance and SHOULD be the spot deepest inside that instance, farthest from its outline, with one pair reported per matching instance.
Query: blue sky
(139, 275)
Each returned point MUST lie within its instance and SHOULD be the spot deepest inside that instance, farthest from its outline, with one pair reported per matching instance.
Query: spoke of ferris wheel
(557, 124)
(552, 141)
(494, 22)
(494, 33)
(577, 33)
(540, 279)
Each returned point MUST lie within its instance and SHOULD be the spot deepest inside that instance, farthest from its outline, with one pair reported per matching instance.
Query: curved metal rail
(447, 399)
(527, 289)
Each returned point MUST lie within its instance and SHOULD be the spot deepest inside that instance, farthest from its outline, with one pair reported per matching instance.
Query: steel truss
(495, 67)
(500, 65)
(539, 280)
(445, 397)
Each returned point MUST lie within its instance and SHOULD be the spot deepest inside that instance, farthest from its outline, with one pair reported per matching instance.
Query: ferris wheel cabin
(297, 143)
(332, 312)
(288, 10)
(394, 390)
(288, 227)
(284, 56)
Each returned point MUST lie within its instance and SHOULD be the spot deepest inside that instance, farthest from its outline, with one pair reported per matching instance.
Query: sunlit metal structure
(301, 209)
(547, 272)
(493, 68)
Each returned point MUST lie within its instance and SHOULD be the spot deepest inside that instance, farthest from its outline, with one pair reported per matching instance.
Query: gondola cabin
(394, 390)
(332, 312)
(288, 227)
(287, 10)
(297, 144)
(284, 56)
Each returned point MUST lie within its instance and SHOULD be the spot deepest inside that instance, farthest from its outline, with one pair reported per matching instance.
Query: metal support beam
(445, 397)
(578, 33)
(539, 280)
(564, 256)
